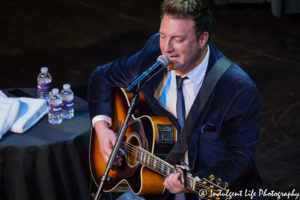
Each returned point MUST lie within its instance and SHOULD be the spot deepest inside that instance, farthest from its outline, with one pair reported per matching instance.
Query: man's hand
(107, 138)
(173, 184)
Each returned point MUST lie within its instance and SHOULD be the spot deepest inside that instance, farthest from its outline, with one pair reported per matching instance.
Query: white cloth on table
(9, 109)
(31, 111)
(20, 113)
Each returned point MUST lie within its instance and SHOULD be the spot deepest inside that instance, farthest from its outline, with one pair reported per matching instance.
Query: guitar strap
(209, 83)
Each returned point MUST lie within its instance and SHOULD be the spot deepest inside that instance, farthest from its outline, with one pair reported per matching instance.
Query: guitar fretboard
(142, 156)
(160, 166)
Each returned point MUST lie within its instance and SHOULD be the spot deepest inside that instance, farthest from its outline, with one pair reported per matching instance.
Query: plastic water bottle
(55, 107)
(67, 96)
(44, 80)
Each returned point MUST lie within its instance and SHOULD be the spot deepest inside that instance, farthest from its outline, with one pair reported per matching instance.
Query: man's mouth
(173, 57)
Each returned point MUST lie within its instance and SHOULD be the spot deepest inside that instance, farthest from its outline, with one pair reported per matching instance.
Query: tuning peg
(218, 181)
(225, 185)
(211, 177)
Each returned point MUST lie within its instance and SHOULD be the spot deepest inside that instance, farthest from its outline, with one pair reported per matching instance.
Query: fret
(151, 162)
(142, 157)
(168, 170)
(181, 178)
(173, 169)
(162, 168)
(145, 158)
(140, 153)
(154, 163)
(190, 182)
(148, 156)
(195, 181)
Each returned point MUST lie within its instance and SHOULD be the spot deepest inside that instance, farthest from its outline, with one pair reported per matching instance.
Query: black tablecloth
(48, 161)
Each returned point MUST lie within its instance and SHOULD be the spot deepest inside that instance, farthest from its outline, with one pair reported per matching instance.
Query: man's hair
(195, 9)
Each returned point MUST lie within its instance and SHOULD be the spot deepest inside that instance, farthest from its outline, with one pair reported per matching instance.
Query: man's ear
(203, 39)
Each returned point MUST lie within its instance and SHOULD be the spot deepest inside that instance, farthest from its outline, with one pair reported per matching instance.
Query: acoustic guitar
(148, 141)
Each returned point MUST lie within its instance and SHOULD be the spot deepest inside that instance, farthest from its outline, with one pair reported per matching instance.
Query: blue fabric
(223, 140)
(129, 195)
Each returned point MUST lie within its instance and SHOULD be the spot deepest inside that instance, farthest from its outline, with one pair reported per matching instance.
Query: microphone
(161, 62)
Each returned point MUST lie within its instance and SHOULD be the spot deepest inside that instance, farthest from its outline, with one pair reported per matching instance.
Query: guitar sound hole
(131, 151)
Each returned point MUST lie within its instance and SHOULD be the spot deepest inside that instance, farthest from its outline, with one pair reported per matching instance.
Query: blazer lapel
(196, 117)
(195, 109)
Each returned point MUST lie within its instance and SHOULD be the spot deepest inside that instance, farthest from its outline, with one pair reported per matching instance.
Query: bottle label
(55, 109)
(44, 87)
(67, 105)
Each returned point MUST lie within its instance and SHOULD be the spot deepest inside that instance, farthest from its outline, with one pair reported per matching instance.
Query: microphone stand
(117, 145)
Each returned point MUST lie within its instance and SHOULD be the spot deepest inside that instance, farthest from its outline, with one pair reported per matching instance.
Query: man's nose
(168, 47)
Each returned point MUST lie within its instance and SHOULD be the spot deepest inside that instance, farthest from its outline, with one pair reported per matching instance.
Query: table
(48, 161)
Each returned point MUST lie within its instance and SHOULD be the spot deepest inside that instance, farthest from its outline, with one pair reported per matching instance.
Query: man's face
(179, 42)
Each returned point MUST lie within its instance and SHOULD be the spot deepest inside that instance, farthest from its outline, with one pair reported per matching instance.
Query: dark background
(72, 37)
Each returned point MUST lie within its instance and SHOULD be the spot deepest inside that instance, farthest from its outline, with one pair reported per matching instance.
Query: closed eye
(179, 39)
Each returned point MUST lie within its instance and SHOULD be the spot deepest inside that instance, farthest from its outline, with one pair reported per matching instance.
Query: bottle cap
(55, 91)
(66, 86)
(44, 69)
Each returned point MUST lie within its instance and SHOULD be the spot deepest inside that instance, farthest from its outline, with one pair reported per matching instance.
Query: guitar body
(154, 133)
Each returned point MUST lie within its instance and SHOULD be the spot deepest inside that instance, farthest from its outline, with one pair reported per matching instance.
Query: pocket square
(209, 127)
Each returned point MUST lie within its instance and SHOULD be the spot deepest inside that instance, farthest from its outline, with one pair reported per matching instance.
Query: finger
(178, 168)
(105, 157)
(107, 152)
(113, 140)
(170, 180)
(165, 183)
(174, 176)
(175, 183)
(118, 162)
(121, 152)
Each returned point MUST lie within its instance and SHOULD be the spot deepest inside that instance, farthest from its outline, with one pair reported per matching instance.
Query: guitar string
(148, 156)
(135, 150)
(161, 166)
(152, 161)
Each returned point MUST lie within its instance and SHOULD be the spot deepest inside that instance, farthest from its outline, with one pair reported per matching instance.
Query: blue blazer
(223, 140)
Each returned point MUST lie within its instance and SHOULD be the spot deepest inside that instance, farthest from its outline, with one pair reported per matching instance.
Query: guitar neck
(164, 168)
(139, 155)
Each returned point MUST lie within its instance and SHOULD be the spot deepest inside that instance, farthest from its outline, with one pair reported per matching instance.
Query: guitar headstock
(211, 188)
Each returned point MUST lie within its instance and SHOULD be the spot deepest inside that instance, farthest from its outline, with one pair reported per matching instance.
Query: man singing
(223, 139)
